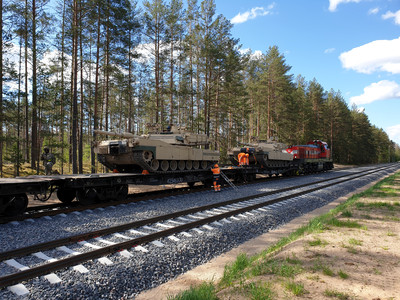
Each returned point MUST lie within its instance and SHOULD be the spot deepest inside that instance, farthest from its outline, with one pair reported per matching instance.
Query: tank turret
(159, 151)
(266, 154)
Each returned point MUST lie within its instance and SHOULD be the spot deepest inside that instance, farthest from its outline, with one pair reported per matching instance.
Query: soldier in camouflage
(48, 160)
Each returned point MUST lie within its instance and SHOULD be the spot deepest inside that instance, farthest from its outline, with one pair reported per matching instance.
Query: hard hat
(216, 166)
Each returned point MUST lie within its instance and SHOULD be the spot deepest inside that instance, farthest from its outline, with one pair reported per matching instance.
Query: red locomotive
(315, 156)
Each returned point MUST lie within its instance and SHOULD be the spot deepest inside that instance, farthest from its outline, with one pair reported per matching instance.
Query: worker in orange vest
(241, 157)
(216, 173)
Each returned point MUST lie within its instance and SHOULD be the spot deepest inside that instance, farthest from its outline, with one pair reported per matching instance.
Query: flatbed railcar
(91, 188)
(87, 188)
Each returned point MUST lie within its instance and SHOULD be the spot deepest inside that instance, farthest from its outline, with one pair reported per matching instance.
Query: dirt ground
(338, 263)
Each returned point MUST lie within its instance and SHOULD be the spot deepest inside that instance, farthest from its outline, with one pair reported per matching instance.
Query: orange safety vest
(241, 158)
(216, 171)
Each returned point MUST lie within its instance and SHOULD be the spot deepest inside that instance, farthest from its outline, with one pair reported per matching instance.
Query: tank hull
(154, 154)
(265, 155)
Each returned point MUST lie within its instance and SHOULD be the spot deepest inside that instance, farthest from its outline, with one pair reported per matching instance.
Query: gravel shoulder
(337, 263)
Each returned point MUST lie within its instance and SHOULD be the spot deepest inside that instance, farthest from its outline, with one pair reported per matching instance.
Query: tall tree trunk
(171, 82)
(74, 78)
(107, 71)
(62, 112)
(26, 104)
(130, 91)
(80, 147)
(96, 91)
(35, 144)
(19, 109)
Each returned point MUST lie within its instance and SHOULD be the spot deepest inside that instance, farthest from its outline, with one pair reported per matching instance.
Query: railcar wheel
(66, 195)
(181, 165)
(189, 165)
(196, 164)
(15, 205)
(87, 196)
(164, 165)
(173, 165)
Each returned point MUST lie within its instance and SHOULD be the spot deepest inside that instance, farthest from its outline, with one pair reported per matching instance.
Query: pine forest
(69, 67)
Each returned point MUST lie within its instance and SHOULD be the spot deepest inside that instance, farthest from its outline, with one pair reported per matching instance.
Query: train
(170, 157)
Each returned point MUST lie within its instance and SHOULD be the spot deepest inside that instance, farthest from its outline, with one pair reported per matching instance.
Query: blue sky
(351, 46)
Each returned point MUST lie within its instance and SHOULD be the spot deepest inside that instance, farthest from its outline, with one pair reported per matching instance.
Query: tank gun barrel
(112, 133)
(247, 144)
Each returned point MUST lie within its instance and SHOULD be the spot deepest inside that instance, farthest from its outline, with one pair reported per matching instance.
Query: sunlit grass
(202, 292)
(295, 287)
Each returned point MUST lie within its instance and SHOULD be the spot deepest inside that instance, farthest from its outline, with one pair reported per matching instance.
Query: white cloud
(329, 50)
(252, 14)
(380, 55)
(373, 11)
(395, 15)
(253, 55)
(394, 133)
(381, 90)
(334, 3)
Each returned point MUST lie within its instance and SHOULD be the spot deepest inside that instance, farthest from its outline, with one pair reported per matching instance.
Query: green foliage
(159, 62)
(259, 291)
(337, 294)
(234, 271)
(343, 275)
(317, 242)
(296, 288)
(204, 291)
(276, 267)
(355, 242)
(341, 223)
(347, 214)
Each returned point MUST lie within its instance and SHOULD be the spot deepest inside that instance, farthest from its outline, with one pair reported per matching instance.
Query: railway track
(49, 210)
(153, 229)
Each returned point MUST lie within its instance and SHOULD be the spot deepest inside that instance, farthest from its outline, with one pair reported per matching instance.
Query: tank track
(145, 166)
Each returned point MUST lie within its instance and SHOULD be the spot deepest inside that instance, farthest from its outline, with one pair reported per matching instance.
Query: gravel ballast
(127, 277)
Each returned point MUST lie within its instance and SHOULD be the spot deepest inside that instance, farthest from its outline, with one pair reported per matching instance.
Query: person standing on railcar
(216, 174)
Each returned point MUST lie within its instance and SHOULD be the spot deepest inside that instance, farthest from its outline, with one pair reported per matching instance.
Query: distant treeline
(110, 64)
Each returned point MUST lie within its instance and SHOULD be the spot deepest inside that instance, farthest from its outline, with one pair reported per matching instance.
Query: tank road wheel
(147, 156)
(87, 196)
(15, 205)
(204, 164)
(154, 164)
(164, 165)
(189, 165)
(181, 165)
(66, 195)
(196, 164)
(173, 165)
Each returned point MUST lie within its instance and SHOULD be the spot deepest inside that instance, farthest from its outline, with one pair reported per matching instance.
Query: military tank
(268, 154)
(157, 152)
